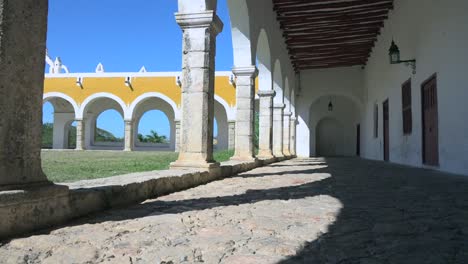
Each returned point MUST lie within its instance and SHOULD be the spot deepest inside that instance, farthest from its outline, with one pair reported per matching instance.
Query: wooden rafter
(330, 33)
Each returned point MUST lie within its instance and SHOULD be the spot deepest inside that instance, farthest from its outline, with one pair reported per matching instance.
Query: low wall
(40, 207)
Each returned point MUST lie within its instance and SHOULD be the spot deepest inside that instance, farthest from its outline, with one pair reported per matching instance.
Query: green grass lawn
(69, 166)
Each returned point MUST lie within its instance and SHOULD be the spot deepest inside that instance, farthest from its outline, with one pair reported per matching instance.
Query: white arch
(95, 96)
(351, 97)
(51, 95)
(264, 61)
(230, 111)
(149, 95)
(278, 82)
(240, 30)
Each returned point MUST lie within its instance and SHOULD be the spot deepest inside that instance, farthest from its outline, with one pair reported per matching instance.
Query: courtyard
(317, 210)
(69, 166)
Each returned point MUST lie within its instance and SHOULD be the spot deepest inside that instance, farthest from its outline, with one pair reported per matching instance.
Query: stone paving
(339, 210)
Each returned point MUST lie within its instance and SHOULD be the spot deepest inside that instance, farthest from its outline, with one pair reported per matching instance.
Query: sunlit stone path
(301, 211)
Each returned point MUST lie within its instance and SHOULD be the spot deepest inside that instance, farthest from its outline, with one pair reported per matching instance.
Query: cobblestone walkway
(299, 211)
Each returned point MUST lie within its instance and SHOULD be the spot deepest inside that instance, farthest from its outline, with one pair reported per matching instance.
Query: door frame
(423, 122)
(386, 130)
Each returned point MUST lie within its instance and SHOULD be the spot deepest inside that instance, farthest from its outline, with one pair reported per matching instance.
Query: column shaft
(292, 143)
(198, 65)
(80, 134)
(245, 101)
(278, 130)
(232, 134)
(129, 135)
(177, 135)
(286, 133)
(23, 26)
(266, 124)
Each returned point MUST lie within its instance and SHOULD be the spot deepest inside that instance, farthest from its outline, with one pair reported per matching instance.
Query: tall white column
(23, 26)
(278, 109)
(80, 134)
(286, 133)
(129, 135)
(245, 101)
(232, 134)
(198, 66)
(265, 150)
(177, 135)
(292, 136)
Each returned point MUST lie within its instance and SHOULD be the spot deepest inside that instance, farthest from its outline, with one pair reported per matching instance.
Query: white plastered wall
(435, 33)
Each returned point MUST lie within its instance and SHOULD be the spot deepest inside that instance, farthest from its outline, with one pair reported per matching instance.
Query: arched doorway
(329, 138)
(58, 131)
(154, 125)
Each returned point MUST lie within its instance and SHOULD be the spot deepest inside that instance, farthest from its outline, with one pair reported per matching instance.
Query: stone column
(198, 68)
(80, 134)
(177, 135)
(232, 134)
(23, 26)
(129, 135)
(245, 101)
(292, 140)
(278, 109)
(265, 150)
(286, 133)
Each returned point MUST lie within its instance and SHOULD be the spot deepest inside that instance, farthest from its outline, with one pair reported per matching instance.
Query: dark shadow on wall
(390, 214)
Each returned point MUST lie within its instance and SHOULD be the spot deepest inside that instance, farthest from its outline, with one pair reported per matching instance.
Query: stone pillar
(278, 109)
(129, 135)
(265, 150)
(198, 68)
(286, 133)
(23, 26)
(80, 134)
(245, 113)
(177, 135)
(232, 134)
(292, 136)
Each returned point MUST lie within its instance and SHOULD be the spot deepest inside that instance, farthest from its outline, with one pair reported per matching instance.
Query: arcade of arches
(320, 72)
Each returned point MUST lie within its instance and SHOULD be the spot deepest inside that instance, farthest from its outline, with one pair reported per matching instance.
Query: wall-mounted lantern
(394, 53)
(232, 80)
(79, 82)
(330, 106)
(178, 81)
(128, 82)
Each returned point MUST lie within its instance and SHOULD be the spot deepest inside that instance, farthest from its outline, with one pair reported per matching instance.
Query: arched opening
(333, 130)
(103, 124)
(108, 130)
(221, 127)
(264, 62)
(58, 129)
(278, 83)
(329, 138)
(154, 125)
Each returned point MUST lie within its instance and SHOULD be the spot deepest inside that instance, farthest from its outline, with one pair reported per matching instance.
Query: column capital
(293, 118)
(287, 114)
(200, 20)
(266, 93)
(231, 121)
(279, 105)
(250, 71)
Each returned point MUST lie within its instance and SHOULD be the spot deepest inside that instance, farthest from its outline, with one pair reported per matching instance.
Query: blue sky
(124, 35)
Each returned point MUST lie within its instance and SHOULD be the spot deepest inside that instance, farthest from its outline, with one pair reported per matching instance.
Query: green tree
(154, 137)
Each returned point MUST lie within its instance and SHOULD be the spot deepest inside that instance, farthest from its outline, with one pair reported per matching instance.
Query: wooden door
(358, 140)
(430, 122)
(386, 131)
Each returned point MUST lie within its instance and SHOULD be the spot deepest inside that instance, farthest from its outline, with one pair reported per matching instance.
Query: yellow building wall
(140, 85)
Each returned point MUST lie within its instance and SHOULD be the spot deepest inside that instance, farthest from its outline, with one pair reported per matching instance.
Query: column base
(194, 165)
(244, 159)
(33, 207)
